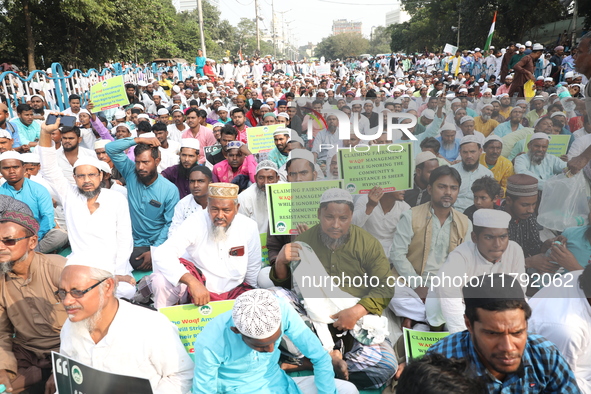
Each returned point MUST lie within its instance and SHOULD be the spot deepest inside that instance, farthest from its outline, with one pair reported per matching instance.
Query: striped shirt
(543, 370)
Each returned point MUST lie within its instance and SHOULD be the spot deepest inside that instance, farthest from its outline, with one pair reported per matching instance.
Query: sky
(311, 20)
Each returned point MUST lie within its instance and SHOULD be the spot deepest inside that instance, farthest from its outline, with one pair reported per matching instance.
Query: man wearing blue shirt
(238, 351)
(497, 346)
(35, 196)
(151, 197)
(29, 131)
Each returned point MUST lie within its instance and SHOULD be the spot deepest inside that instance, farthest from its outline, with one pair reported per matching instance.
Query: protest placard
(323, 69)
(73, 377)
(388, 166)
(558, 145)
(108, 94)
(190, 319)
(416, 343)
(451, 49)
(290, 204)
(260, 139)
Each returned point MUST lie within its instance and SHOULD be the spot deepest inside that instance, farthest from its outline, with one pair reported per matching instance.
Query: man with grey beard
(98, 219)
(116, 336)
(219, 251)
(537, 163)
(30, 317)
(484, 123)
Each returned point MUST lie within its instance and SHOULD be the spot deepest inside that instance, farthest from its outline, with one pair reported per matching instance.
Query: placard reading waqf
(108, 94)
(389, 166)
(291, 204)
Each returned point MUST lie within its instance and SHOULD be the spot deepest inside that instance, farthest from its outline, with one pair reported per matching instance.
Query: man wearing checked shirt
(497, 346)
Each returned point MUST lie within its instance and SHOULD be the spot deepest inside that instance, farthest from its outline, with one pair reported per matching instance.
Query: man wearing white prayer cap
(500, 166)
(36, 196)
(280, 136)
(537, 162)
(253, 200)
(99, 323)
(484, 123)
(538, 110)
(469, 169)
(339, 246)
(468, 127)
(97, 218)
(178, 174)
(425, 163)
(488, 252)
(253, 331)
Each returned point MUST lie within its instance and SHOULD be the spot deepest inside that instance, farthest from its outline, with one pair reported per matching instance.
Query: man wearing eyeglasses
(116, 336)
(35, 195)
(97, 218)
(30, 317)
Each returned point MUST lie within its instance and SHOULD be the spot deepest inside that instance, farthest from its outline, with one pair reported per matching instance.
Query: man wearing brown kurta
(505, 63)
(30, 316)
(524, 71)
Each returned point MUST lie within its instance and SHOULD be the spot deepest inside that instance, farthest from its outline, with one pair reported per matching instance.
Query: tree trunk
(30, 40)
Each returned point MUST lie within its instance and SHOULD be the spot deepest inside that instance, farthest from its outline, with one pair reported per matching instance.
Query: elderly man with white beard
(116, 336)
(219, 251)
(484, 123)
(537, 163)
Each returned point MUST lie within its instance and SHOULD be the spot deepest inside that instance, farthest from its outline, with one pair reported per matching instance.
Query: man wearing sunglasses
(115, 336)
(28, 307)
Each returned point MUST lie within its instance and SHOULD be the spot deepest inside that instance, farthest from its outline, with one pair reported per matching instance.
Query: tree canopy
(342, 46)
(87, 33)
(430, 27)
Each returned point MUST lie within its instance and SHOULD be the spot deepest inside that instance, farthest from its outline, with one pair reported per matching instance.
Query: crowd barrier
(58, 85)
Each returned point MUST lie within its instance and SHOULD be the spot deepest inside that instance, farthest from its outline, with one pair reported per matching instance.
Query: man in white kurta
(470, 170)
(103, 231)
(537, 162)
(225, 263)
(119, 337)
(490, 251)
(253, 201)
(562, 314)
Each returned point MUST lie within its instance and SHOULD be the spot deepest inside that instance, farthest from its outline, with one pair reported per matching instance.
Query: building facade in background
(397, 15)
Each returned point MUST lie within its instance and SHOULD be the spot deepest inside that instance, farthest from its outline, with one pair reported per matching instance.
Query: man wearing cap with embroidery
(500, 166)
(35, 196)
(199, 179)
(335, 248)
(279, 155)
(537, 162)
(115, 336)
(239, 161)
(520, 202)
(30, 318)
(239, 351)
(98, 218)
(219, 251)
(489, 251)
(469, 169)
(196, 130)
(425, 163)
(179, 173)
(151, 197)
(497, 345)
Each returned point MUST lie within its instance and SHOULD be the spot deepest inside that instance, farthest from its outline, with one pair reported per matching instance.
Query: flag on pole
(490, 33)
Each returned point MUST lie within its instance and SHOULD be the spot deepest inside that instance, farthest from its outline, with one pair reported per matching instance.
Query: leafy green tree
(342, 46)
